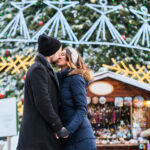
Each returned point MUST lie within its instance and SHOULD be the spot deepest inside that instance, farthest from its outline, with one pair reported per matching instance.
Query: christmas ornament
(24, 77)
(123, 36)
(30, 50)
(9, 16)
(95, 100)
(6, 53)
(1, 96)
(128, 101)
(118, 101)
(41, 23)
(102, 100)
(88, 100)
(92, 1)
(138, 101)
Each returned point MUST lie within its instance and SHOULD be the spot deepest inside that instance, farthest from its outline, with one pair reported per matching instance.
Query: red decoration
(41, 23)
(1, 96)
(24, 77)
(6, 53)
(123, 36)
(22, 99)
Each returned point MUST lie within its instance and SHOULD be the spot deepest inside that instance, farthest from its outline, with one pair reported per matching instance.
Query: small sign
(8, 117)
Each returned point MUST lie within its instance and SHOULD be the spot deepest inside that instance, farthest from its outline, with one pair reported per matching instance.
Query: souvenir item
(102, 100)
(95, 100)
(119, 101)
(138, 101)
(88, 100)
(128, 101)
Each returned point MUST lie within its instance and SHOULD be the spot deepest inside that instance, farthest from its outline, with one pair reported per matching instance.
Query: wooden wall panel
(122, 90)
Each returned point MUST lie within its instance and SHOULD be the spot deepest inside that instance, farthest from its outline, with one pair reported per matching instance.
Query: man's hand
(57, 137)
(63, 133)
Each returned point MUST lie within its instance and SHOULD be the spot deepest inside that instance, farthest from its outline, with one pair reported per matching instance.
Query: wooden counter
(117, 147)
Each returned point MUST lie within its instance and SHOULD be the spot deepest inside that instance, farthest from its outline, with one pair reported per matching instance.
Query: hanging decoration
(1, 96)
(88, 100)
(101, 24)
(102, 100)
(144, 32)
(119, 102)
(20, 62)
(140, 74)
(6, 53)
(58, 26)
(18, 23)
(40, 23)
(127, 101)
(52, 26)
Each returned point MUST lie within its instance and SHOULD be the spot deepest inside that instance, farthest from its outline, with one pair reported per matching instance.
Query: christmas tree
(21, 21)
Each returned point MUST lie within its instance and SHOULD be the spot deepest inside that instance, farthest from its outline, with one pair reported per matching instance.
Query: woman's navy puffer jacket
(74, 111)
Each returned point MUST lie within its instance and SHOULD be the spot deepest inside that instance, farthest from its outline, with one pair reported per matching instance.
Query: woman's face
(62, 62)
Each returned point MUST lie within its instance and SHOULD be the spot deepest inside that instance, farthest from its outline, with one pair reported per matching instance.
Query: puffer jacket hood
(87, 74)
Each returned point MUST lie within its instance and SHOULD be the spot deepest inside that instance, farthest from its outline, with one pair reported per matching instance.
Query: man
(40, 122)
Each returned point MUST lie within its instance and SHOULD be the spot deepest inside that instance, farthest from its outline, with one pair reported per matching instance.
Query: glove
(63, 132)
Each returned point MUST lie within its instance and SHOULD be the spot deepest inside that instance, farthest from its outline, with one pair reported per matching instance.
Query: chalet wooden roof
(127, 80)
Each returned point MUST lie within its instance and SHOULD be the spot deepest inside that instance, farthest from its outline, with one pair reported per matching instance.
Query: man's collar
(41, 58)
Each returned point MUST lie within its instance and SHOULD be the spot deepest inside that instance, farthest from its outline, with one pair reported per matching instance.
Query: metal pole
(9, 142)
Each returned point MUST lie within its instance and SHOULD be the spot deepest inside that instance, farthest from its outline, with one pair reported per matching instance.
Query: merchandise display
(119, 116)
(113, 124)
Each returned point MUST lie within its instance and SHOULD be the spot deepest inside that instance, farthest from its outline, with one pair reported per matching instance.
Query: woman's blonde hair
(80, 65)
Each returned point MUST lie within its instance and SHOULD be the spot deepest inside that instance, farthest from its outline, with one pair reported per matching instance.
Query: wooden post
(9, 142)
(131, 118)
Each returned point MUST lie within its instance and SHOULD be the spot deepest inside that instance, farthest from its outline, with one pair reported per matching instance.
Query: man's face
(55, 56)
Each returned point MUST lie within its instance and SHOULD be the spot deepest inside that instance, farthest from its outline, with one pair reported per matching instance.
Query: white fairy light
(144, 31)
(103, 21)
(101, 25)
(18, 23)
(1, 4)
(58, 20)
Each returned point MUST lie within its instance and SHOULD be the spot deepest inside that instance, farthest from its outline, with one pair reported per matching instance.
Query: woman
(74, 78)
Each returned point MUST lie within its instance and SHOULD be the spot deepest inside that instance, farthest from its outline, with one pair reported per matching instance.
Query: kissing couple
(55, 105)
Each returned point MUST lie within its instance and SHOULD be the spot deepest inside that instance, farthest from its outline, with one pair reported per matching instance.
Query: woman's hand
(63, 133)
(57, 137)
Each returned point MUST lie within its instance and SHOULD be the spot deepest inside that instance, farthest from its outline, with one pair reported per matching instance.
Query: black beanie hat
(47, 46)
